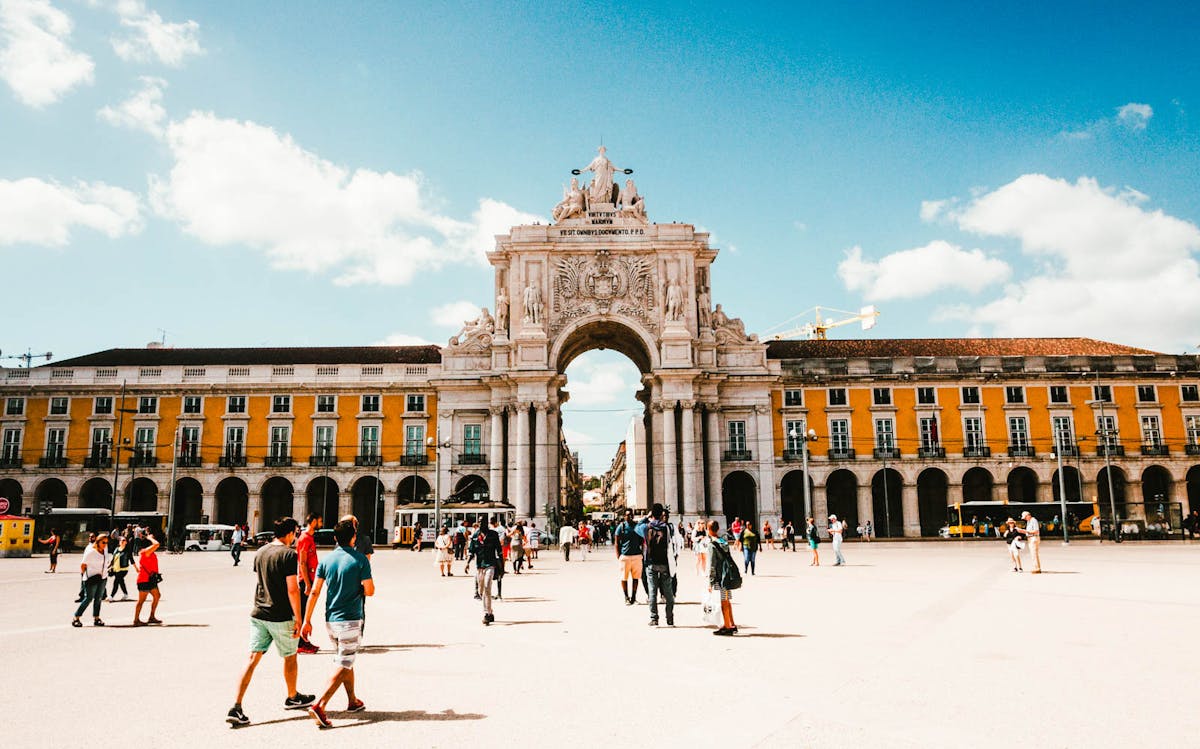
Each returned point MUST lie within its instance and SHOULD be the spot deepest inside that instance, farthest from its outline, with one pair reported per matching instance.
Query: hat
(833, 517)
(1027, 514)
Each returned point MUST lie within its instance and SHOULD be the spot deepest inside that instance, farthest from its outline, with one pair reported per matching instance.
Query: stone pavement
(909, 645)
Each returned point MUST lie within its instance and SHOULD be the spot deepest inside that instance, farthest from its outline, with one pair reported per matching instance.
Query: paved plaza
(911, 644)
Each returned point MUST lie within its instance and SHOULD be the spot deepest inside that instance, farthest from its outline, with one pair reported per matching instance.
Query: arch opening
(887, 503)
(841, 497)
(739, 498)
(277, 501)
(933, 489)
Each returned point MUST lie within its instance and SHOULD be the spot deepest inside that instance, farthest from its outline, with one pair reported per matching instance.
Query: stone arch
(978, 485)
(50, 490)
(739, 497)
(791, 496)
(933, 489)
(1118, 491)
(1070, 476)
(321, 497)
(841, 496)
(413, 489)
(189, 504)
(141, 495)
(12, 490)
(366, 504)
(887, 500)
(277, 501)
(96, 494)
(471, 488)
(1157, 485)
(232, 501)
(596, 332)
(1022, 485)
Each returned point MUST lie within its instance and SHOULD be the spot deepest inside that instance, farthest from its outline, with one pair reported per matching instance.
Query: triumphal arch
(603, 276)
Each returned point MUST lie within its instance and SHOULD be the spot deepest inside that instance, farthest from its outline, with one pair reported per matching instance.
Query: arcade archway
(322, 498)
(51, 492)
(887, 502)
(932, 495)
(841, 497)
(1022, 485)
(471, 488)
(366, 503)
(791, 497)
(11, 490)
(141, 495)
(189, 504)
(977, 485)
(232, 501)
(277, 501)
(739, 498)
(96, 494)
(413, 489)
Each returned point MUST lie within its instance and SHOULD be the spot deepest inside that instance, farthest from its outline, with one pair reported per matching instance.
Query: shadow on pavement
(528, 599)
(769, 634)
(368, 717)
(532, 621)
(386, 648)
(153, 626)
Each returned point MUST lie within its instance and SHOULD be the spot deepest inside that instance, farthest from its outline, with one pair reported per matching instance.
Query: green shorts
(262, 634)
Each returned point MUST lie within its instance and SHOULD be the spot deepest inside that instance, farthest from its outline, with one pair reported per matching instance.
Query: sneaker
(653, 622)
(490, 618)
(235, 716)
(670, 622)
(307, 649)
(356, 707)
(722, 632)
(318, 714)
(299, 702)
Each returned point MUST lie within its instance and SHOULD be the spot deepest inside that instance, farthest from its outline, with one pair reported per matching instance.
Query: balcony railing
(322, 460)
(1021, 451)
(931, 451)
(793, 455)
(278, 461)
(1159, 449)
(739, 455)
(887, 453)
(414, 459)
(1192, 448)
(841, 453)
(1112, 451)
(235, 459)
(188, 461)
(472, 459)
(369, 459)
(1070, 451)
(10, 461)
(143, 460)
(977, 452)
(97, 461)
(52, 461)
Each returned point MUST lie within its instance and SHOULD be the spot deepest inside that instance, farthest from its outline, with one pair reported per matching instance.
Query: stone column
(768, 500)
(954, 495)
(687, 437)
(520, 493)
(208, 505)
(541, 479)
(820, 502)
(866, 510)
(654, 445)
(553, 461)
(712, 448)
(911, 510)
(495, 473)
(670, 465)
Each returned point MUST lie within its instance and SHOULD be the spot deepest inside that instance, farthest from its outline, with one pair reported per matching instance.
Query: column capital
(497, 410)
(687, 405)
(666, 404)
(542, 406)
(760, 408)
(713, 407)
(519, 407)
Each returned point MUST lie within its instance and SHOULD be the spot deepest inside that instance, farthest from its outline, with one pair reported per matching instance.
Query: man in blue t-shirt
(628, 545)
(346, 573)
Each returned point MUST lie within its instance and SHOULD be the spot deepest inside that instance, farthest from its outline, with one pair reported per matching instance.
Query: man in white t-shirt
(836, 529)
(566, 536)
(1033, 535)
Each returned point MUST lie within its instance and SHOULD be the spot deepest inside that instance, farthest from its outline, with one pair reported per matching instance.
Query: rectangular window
(143, 442)
(101, 443)
(1151, 431)
(236, 404)
(1107, 427)
(414, 403)
(1058, 394)
(102, 406)
(794, 435)
(970, 395)
(928, 429)
(473, 439)
(1146, 394)
(1193, 430)
(793, 397)
(926, 396)
(281, 404)
(1190, 393)
(973, 433)
(885, 434)
(370, 441)
(12, 445)
(58, 406)
(1064, 431)
(414, 439)
(326, 404)
(56, 443)
(147, 405)
(1018, 431)
(737, 436)
(839, 434)
(837, 396)
(279, 442)
(189, 442)
(192, 404)
(324, 441)
(1102, 393)
(882, 396)
(1014, 394)
(14, 407)
(235, 442)
(370, 404)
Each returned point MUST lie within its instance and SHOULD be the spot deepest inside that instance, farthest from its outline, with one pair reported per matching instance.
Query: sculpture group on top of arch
(601, 190)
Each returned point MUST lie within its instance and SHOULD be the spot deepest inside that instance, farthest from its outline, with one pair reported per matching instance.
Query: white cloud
(149, 38)
(918, 272)
(1134, 116)
(141, 111)
(36, 60)
(237, 182)
(454, 314)
(1108, 267)
(932, 210)
(33, 211)
(601, 385)
(403, 339)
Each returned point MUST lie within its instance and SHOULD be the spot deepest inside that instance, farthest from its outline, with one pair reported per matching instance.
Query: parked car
(262, 538)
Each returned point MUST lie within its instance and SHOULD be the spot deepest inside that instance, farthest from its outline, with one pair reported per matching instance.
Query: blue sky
(322, 174)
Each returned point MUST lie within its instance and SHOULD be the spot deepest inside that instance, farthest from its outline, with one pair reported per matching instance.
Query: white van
(208, 537)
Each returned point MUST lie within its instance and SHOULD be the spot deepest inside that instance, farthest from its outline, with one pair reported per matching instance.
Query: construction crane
(29, 356)
(817, 329)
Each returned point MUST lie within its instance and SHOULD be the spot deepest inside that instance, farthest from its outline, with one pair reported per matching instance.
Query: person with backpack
(658, 558)
(723, 578)
(629, 548)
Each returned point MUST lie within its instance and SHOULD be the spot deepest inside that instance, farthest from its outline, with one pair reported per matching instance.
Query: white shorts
(346, 637)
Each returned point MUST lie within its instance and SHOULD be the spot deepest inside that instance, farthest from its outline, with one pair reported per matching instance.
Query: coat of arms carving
(584, 285)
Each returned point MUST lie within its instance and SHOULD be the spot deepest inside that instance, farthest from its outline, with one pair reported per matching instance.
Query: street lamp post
(171, 494)
(1102, 438)
(805, 436)
(437, 480)
(1062, 484)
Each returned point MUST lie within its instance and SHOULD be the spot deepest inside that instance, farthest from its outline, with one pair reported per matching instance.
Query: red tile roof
(898, 347)
(197, 357)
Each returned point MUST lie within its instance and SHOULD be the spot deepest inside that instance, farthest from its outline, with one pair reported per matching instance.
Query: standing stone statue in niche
(704, 307)
(632, 205)
(600, 191)
(674, 300)
(502, 312)
(572, 204)
(533, 303)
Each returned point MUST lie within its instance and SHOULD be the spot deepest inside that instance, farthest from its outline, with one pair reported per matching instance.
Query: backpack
(658, 545)
(731, 576)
